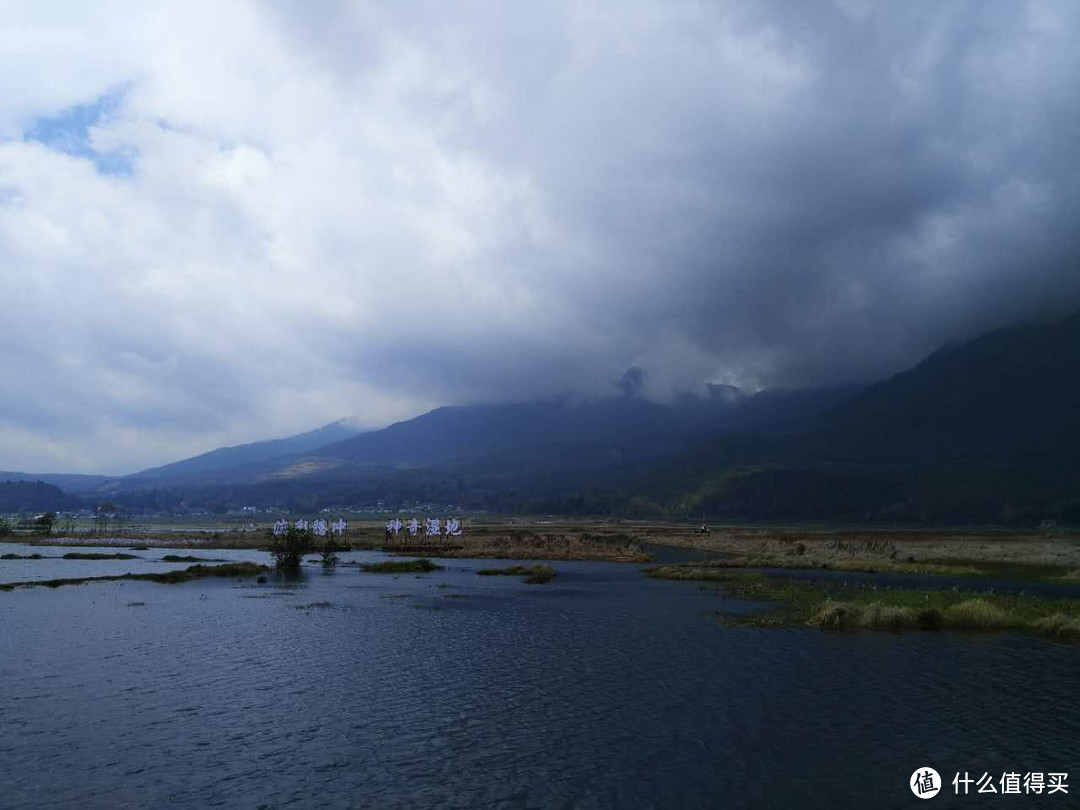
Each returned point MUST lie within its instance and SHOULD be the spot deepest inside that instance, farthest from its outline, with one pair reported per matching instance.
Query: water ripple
(603, 689)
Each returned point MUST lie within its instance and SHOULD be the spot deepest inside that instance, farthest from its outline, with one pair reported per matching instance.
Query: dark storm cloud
(376, 209)
(779, 194)
(915, 184)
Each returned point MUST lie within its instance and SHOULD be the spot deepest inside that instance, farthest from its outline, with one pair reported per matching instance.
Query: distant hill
(559, 433)
(987, 431)
(34, 496)
(68, 482)
(513, 456)
(473, 431)
(227, 464)
(1011, 393)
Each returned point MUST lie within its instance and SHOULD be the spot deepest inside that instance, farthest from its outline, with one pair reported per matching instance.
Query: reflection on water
(600, 689)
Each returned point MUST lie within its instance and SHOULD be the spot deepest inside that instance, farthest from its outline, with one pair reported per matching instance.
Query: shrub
(329, 553)
(288, 549)
(539, 574)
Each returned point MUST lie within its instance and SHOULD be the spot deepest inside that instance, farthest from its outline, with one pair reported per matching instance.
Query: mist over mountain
(566, 431)
(987, 431)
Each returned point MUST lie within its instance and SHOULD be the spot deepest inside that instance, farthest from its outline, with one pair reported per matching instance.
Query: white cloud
(342, 208)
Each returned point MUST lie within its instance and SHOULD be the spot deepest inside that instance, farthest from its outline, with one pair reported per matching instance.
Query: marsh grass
(176, 558)
(1059, 625)
(237, 570)
(971, 614)
(534, 574)
(20, 557)
(88, 555)
(851, 605)
(697, 573)
(420, 566)
(977, 614)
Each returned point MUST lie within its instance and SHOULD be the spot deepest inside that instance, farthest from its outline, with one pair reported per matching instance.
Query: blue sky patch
(69, 132)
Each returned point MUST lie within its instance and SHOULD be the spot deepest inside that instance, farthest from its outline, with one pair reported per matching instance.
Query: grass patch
(176, 558)
(1059, 625)
(534, 574)
(241, 569)
(977, 614)
(87, 555)
(421, 566)
(859, 605)
(969, 614)
(20, 557)
(698, 573)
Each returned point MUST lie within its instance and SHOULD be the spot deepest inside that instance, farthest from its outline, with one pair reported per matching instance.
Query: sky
(228, 221)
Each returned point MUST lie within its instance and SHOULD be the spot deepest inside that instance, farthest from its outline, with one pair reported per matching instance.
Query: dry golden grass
(840, 605)
(887, 616)
(877, 616)
(1058, 625)
(976, 614)
(971, 614)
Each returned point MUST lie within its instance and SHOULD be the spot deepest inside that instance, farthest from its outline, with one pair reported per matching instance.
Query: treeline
(979, 492)
(34, 496)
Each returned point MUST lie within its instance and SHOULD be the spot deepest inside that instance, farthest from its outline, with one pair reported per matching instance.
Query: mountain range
(987, 430)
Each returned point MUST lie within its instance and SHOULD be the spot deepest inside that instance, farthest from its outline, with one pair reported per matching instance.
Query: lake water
(600, 689)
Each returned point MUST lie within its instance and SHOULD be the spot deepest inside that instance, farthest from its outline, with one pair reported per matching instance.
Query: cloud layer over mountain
(222, 222)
